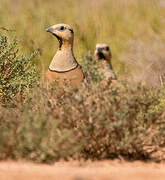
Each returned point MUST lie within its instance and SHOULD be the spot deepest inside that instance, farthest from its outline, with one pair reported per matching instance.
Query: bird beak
(49, 30)
(98, 49)
(52, 31)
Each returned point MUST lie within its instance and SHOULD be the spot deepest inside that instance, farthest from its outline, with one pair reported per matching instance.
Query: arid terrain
(104, 170)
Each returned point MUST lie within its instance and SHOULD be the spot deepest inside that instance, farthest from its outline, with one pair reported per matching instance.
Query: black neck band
(63, 71)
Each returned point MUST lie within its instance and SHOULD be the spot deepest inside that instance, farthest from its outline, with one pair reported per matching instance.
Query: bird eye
(61, 28)
(107, 48)
(98, 49)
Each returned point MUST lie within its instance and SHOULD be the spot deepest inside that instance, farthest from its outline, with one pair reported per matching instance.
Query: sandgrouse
(103, 54)
(64, 66)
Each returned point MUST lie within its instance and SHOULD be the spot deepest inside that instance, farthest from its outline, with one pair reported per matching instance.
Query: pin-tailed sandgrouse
(103, 54)
(64, 65)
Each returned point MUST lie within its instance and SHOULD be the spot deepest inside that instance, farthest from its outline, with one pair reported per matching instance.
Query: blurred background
(134, 29)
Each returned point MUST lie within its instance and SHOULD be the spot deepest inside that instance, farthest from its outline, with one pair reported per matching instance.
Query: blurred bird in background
(103, 55)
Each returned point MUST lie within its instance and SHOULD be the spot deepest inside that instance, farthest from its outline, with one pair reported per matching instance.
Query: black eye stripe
(71, 30)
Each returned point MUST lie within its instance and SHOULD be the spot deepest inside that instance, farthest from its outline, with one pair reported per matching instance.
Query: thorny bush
(17, 73)
(93, 122)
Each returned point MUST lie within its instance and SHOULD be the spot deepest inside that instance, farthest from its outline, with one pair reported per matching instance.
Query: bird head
(103, 51)
(64, 34)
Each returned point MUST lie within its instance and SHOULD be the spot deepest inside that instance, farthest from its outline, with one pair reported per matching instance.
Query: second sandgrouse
(103, 54)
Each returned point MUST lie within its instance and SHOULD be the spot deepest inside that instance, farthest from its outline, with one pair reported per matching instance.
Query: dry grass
(119, 23)
(148, 61)
(92, 122)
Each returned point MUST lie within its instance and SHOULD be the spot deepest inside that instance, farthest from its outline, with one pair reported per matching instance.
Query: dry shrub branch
(92, 122)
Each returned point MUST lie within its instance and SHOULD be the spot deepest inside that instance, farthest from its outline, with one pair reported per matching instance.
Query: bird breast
(63, 61)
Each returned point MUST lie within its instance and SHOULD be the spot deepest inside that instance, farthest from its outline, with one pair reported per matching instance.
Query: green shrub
(36, 132)
(17, 73)
(94, 122)
(90, 69)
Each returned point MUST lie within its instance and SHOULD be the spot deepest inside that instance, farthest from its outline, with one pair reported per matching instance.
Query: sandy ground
(104, 170)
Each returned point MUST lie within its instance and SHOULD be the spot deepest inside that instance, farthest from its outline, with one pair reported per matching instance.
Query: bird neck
(66, 45)
(107, 59)
(63, 60)
(104, 63)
